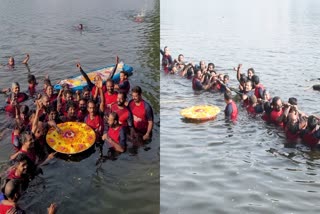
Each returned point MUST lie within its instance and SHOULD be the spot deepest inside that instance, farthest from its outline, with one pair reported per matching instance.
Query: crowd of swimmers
(103, 105)
(253, 96)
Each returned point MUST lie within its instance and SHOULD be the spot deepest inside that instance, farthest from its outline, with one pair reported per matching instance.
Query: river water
(47, 31)
(218, 167)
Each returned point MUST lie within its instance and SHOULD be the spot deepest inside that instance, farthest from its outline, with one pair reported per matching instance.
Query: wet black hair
(137, 89)
(123, 94)
(13, 189)
(124, 72)
(312, 122)
(67, 92)
(226, 76)
(211, 64)
(267, 107)
(293, 101)
(21, 157)
(115, 116)
(255, 79)
(24, 109)
(251, 69)
(31, 78)
(52, 109)
(227, 96)
(70, 104)
(47, 82)
(110, 80)
(275, 100)
(243, 78)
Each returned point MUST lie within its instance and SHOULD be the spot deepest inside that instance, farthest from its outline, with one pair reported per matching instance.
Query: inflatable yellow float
(200, 113)
(74, 138)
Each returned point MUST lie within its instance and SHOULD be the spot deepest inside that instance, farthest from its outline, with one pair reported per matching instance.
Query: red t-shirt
(122, 113)
(96, 124)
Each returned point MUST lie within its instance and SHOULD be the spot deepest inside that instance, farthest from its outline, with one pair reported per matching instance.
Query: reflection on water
(48, 32)
(246, 167)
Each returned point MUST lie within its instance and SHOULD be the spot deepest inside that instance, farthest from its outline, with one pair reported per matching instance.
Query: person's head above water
(11, 61)
(80, 26)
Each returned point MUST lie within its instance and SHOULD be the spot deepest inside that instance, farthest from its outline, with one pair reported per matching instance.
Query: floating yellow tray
(200, 113)
(76, 137)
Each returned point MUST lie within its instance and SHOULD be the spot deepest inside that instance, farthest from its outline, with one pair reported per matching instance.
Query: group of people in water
(103, 105)
(253, 97)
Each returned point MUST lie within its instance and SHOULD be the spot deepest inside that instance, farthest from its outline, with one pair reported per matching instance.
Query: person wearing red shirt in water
(258, 87)
(254, 108)
(82, 109)
(311, 135)
(71, 114)
(124, 85)
(15, 98)
(248, 92)
(295, 123)
(27, 148)
(32, 83)
(116, 135)
(231, 110)
(94, 118)
(110, 97)
(125, 116)
(20, 170)
(142, 114)
(13, 191)
(275, 115)
(52, 97)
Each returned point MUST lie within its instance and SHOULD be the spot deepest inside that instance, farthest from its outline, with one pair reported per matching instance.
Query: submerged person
(32, 83)
(231, 110)
(80, 26)
(11, 61)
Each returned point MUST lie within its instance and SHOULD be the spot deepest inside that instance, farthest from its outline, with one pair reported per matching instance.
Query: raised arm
(115, 67)
(238, 69)
(84, 74)
(26, 59)
(99, 88)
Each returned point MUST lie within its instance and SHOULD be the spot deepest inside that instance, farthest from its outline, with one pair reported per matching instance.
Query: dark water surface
(218, 167)
(47, 30)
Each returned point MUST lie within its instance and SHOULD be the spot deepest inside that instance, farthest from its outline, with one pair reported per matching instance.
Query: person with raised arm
(91, 86)
(166, 59)
(94, 119)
